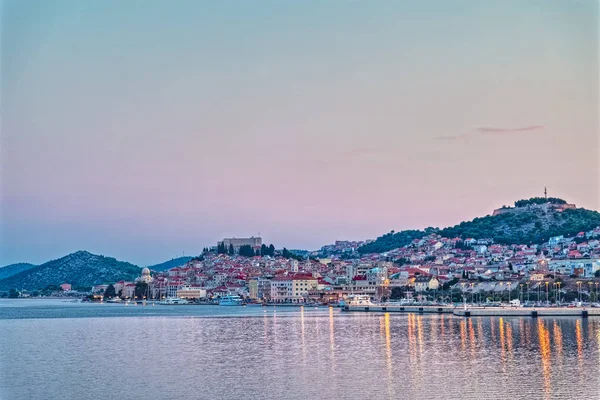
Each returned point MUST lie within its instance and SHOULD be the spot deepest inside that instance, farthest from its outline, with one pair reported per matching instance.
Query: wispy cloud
(502, 131)
(454, 137)
(491, 131)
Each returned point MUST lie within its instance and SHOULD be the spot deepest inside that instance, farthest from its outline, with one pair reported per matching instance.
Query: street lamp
(509, 285)
(547, 292)
(521, 298)
(579, 291)
(472, 293)
(528, 291)
(500, 295)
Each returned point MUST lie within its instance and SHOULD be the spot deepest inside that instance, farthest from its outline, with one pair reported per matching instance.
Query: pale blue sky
(141, 129)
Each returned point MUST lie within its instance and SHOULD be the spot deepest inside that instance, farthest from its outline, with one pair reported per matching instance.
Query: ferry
(357, 300)
(231, 300)
(173, 301)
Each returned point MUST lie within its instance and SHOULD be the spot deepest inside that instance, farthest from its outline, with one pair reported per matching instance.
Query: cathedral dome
(145, 271)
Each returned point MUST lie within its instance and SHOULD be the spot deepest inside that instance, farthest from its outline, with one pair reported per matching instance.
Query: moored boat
(230, 300)
(173, 301)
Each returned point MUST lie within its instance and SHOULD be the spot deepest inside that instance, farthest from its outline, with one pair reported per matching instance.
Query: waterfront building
(423, 283)
(145, 277)
(253, 289)
(191, 292)
(293, 288)
(173, 287)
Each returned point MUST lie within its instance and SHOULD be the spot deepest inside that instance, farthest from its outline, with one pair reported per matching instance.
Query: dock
(507, 311)
(401, 309)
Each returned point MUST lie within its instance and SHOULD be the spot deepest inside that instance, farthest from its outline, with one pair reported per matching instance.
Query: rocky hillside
(13, 269)
(530, 221)
(175, 262)
(81, 269)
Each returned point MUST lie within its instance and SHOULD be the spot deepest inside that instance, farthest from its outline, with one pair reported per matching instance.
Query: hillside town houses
(425, 268)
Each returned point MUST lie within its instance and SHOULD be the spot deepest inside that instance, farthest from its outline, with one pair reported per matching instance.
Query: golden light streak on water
(442, 327)
(522, 330)
(412, 341)
(544, 340)
(332, 339)
(558, 339)
(502, 343)
(388, 353)
(463, 334)
(509, 339)
(302, 334)
(480, 335)
(579, 339)
(420, 332)
(472, 336)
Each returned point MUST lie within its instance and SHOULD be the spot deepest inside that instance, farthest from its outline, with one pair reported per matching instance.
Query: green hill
(175, 262)
(81, 269)
(530, 221)
(13, 269)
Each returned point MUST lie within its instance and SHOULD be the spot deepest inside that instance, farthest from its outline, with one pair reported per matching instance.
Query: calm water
(54, 350)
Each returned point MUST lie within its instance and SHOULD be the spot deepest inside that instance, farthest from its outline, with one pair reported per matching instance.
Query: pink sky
(143, 133)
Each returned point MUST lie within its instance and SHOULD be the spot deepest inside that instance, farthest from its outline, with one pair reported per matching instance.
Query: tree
(396, 293)
(286, 253)
(110, 292)
(271, 250)
(13, 294)
(246, 251)
(231, 249)
(263, 250)
(141, 290)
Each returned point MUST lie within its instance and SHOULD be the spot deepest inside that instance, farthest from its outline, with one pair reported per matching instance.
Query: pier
(507, 311)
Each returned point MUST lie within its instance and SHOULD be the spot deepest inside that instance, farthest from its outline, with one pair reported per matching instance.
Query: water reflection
(332, 339)
(302, 334)
(301, 354)
(388, 353)
(558, 341)
(472, 336)
(544, 340)
(463, 334)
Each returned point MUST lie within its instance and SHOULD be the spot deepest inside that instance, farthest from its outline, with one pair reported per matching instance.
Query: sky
(144, 130)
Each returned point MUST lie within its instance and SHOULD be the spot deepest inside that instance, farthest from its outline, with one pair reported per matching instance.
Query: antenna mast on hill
(545, 193)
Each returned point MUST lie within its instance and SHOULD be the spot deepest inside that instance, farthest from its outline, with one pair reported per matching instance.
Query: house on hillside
(423, 283)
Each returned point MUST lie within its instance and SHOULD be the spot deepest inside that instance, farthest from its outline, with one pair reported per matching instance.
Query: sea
(57, 349)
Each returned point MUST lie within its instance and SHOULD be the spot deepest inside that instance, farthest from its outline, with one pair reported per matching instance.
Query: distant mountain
(175, 262)
(531, 221)
(13, 269)
(81, 269)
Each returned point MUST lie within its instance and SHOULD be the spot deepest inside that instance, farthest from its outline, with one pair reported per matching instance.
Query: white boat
(230, 300)
(357, 300)
(173, 301)
(113, 300)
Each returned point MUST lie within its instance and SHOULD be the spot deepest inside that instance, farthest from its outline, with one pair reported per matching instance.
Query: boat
(357, 300)
(173, 301)
(230, 300)
(114, 300)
